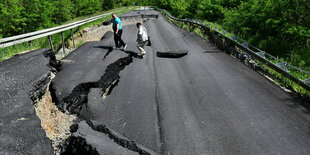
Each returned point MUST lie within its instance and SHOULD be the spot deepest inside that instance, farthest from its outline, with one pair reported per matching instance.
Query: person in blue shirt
(117, 28)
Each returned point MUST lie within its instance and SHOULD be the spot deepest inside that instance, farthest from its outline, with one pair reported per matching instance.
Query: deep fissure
(79, 146)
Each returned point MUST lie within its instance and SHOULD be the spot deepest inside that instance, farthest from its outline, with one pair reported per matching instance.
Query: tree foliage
(22, 16)
(274, 25)
(12, 19)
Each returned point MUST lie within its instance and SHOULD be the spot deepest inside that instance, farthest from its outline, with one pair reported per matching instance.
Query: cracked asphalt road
(205, 102)
(202, 103)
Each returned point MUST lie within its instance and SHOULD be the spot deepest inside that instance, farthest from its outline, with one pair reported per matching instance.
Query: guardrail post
(72, 38)
(30, 44)
(307, 81)
(51, 43)
(192, 27)
(63, 41)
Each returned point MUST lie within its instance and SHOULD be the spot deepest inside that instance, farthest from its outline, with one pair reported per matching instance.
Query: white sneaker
(143, 55)
(125, 46)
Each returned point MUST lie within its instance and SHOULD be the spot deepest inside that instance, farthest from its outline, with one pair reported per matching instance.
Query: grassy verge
(6, 53)
(278, 78)
(284, 81)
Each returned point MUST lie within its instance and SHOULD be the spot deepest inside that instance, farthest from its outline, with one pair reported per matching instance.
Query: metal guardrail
(28, 37)
(282, 67)
(143, 16)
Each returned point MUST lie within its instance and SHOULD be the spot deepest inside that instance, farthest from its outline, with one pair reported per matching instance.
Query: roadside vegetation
(282, 28)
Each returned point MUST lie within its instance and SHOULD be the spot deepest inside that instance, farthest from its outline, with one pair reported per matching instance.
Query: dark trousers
(118, 38)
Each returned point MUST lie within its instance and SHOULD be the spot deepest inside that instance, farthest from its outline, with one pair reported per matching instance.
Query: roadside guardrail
(252, 52)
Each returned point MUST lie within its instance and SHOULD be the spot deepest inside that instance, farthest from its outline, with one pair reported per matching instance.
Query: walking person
(117, 28)
(142, 38)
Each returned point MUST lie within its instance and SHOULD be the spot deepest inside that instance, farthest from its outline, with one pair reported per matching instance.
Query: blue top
(115, 22)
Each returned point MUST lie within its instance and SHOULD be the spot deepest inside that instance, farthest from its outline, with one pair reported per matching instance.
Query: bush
(269, 24)
(108, 4)
(86, 7)
(12, 19)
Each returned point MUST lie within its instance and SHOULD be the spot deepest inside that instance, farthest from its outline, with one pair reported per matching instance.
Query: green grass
(8, 52)
(285, 82)
(277, 77)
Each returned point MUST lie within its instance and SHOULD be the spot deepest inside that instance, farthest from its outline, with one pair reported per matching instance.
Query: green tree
(210, 11)
(108, 4)
(274, 25)
(11, 17)
(64, 11)
(39, 14)
(86, 7)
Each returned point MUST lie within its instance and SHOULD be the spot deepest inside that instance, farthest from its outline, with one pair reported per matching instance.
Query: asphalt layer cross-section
(23, 79)
(205, 102)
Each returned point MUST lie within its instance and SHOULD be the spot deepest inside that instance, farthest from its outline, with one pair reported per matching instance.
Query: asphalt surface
(204, 102)
(21, 78)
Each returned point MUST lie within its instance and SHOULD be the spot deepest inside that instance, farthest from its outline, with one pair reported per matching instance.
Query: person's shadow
(110, 49)
(133, 54)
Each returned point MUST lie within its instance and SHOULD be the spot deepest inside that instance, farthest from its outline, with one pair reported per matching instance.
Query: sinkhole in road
(172, 54)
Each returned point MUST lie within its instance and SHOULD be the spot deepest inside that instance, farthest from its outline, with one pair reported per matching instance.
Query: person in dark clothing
(117, 28)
